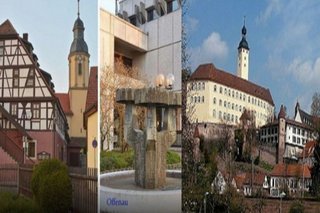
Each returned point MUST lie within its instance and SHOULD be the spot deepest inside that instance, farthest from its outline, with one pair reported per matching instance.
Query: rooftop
(211, 73)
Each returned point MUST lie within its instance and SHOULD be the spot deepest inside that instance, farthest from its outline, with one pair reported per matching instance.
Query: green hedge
(12, 203)
(113, 160)
(51, 186)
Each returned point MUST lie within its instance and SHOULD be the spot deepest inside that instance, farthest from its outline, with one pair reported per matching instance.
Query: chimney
(25, 36)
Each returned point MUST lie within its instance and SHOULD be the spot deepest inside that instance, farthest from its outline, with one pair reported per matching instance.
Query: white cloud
(212, 49)
(273, 7)
(192, 24)
(307, 72)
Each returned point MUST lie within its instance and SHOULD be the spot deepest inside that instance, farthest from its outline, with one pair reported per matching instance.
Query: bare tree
(112, 113)
(315, 106)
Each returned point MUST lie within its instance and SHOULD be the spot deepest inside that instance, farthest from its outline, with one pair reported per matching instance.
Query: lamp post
(282, 195)
(205, 202)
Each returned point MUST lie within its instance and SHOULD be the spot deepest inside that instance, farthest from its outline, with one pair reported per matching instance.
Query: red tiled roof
(64, 102)
(258, 179)
(308, 149)
(92, 93)
(6, 28)
(291, 170)
(210, 72)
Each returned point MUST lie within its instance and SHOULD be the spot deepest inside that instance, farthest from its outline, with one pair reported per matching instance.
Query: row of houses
(289, 178)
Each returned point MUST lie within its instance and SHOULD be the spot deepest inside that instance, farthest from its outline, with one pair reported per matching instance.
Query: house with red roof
(33, 125)
(294, 177)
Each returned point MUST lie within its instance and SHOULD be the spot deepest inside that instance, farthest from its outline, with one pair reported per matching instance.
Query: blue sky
(283, 37)
(108, 5)
(49, 25)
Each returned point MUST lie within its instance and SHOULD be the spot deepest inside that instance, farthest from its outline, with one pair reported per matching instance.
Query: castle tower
(282, 134)
(78, 78)
(243, 56)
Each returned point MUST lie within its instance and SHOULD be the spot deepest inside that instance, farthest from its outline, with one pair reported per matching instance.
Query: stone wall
(273, 205)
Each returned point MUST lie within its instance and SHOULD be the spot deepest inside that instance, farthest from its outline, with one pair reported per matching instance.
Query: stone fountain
(150, 186)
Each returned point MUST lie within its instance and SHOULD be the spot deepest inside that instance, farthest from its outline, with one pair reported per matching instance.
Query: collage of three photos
(152, 106)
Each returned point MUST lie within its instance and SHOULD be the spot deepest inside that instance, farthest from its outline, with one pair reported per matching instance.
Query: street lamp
(282, 195)
(205, 202)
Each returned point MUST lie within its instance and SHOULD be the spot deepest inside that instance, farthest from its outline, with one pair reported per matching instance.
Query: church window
(79, 68)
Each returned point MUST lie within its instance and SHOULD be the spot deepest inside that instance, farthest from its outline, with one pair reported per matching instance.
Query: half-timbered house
(33, 125)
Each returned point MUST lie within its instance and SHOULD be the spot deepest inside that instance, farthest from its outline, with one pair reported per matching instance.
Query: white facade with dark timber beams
(29, 110)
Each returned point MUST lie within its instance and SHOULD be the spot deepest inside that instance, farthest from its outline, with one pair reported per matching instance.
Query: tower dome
(78, 43)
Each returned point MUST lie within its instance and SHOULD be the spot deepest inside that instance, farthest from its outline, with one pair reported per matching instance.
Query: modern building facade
(216, 96)
(33, 125)
(146, 36)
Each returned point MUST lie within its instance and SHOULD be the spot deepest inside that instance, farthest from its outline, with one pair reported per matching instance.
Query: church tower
(243, 56)
(78, 78)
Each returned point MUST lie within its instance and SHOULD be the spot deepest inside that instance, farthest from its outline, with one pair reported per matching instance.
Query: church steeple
(78, 78)
(78, 56)
(243, 55)
(78, 44)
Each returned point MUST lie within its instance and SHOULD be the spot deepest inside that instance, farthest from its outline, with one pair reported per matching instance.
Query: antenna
(78, 8)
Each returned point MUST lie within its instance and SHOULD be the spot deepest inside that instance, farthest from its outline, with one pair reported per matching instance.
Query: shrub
(173, 157)
(51, 186)
(12, 203)
(112, 160)
(296, 207)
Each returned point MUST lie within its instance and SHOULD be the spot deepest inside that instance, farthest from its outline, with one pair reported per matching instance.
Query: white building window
(214, 100)
(214, 113)
(215, 88)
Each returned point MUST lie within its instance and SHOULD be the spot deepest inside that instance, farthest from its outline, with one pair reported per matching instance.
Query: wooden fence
(84, 185)
(9, 177)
